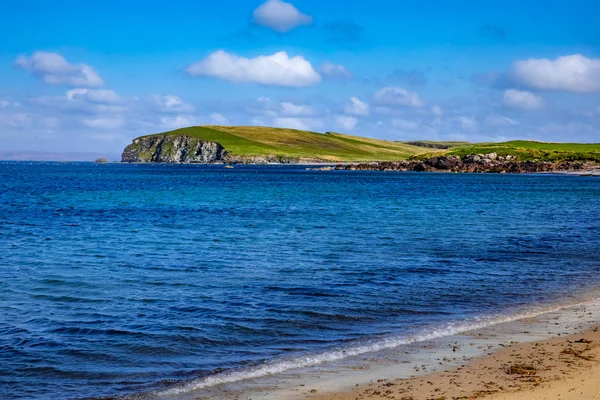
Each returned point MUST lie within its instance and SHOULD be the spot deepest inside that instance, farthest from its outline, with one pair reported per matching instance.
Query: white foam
(280, 366)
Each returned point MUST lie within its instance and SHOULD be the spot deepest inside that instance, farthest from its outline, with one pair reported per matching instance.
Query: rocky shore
(478, 163)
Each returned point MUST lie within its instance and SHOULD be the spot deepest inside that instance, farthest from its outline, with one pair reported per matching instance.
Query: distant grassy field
(334, 147)
(529, 150)
(440, 145)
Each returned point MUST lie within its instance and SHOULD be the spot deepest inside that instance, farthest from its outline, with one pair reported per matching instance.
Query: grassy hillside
(528, 150)
(334, 147)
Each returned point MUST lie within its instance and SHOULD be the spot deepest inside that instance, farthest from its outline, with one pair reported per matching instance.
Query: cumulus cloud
(523, 100)
(499, 120)
(573, 73)
(346, 122)
(280, 16)
(467, 123)
(5, 104)
(178, 121)
(357, 107)
(56, 70)
(218, 119)
(98, 96)
(83, 100)
(170, 103)
(305, 124)
(278, 69)
(264, 106)
(104, 123)
(18, 120)
(296, 110)
(393, 96)
(334, 70)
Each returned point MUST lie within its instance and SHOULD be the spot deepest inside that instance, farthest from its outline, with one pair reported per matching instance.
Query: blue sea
(119, 279)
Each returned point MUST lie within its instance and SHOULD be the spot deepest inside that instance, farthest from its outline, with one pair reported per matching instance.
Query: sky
(84, 76)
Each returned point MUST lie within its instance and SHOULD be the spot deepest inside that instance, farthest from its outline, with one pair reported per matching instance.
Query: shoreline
(372, 166)
(442, 363)
(557, 368)
(350, 378)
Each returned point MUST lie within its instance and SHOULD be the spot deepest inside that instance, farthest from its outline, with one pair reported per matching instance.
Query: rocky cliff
(173, 149)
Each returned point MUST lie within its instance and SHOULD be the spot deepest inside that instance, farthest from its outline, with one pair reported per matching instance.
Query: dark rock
(476, 163)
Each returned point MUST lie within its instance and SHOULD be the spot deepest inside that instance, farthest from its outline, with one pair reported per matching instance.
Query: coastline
(558, 368)
(387, 373)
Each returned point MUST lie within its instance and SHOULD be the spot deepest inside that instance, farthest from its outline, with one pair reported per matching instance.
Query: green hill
(248, 141)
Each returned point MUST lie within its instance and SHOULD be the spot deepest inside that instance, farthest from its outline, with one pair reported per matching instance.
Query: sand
(559, 368)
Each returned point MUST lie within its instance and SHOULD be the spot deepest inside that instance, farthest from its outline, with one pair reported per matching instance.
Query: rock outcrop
(173, 149)
(488, 163)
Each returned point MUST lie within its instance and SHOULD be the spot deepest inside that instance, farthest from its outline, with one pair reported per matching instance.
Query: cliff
(173, 150)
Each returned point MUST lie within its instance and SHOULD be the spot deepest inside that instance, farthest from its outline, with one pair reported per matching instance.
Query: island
(265, 145)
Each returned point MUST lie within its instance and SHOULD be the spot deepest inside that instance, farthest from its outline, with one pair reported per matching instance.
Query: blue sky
(91, 76)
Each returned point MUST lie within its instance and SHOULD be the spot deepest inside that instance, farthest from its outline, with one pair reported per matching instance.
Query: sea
(119, 280)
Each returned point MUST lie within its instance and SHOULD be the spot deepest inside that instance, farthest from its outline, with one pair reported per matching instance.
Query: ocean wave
(280, 366)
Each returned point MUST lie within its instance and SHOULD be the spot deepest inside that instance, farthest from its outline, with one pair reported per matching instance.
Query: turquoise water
(118, 279)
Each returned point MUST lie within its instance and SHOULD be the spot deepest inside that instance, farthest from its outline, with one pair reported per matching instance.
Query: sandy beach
(558, 368)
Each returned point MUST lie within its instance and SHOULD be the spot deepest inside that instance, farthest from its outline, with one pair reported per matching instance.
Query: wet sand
(559, 368)
(470, 365)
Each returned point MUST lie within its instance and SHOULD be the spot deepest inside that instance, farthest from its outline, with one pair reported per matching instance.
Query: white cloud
(4, 103)
(405, 125)
(98, 96)
(170, 103)
(17, 120)
(357, 107)
(296, 110)
(280, 16)
(573, 73)
(277, 69)
(56, 70)
(334, 70)
(346, 122)
(264, 106)
(392, 96)
(304, 124)
(468, 123)
(291, 123)
(437, 111)
(104, 123)
(178, 121)
(89, 101)
(218, 119)
(499, 120)
(523, 100)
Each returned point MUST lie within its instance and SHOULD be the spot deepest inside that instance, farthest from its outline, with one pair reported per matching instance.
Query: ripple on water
(119, 277)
